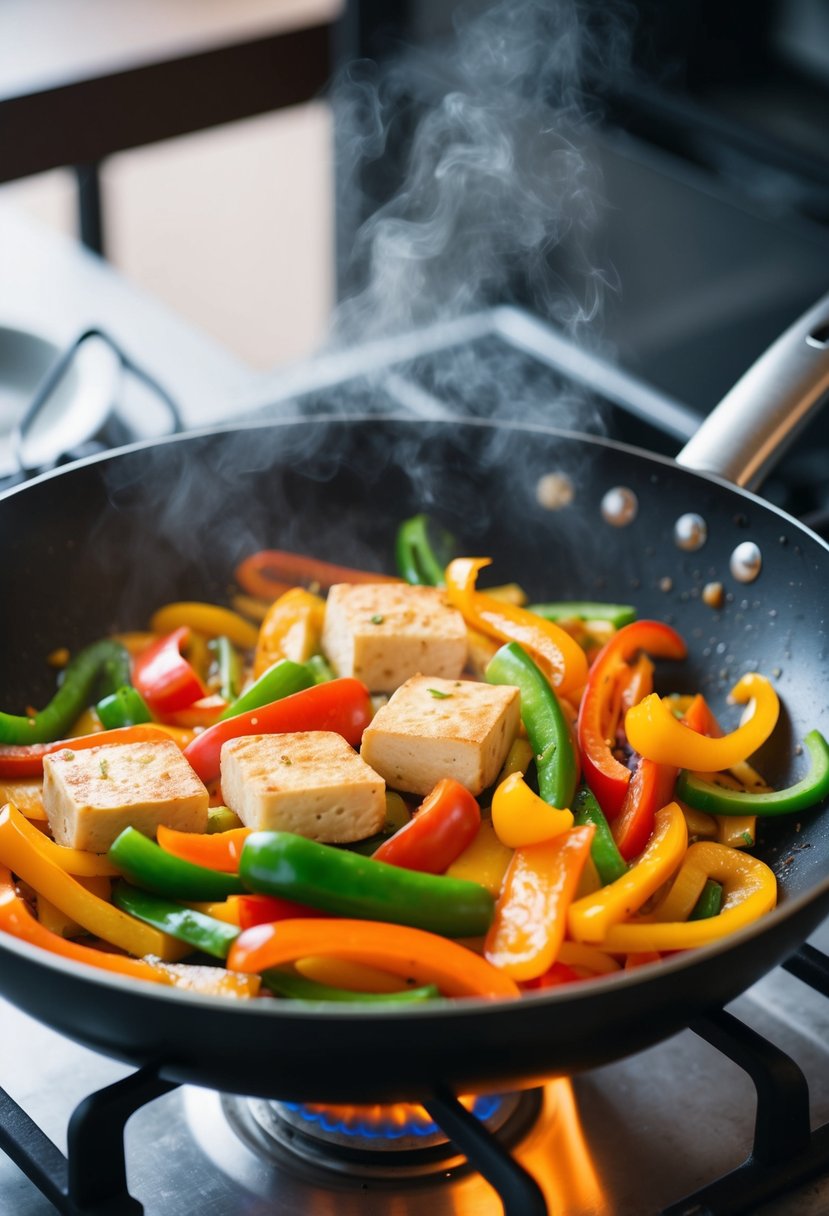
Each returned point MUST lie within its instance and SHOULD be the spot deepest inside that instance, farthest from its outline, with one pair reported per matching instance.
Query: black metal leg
(32, 1151)
(90, 208)
(519, 1192)
(811, 966)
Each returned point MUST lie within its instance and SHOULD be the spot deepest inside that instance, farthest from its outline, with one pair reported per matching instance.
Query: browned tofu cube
(434, 728)
(382, 633)
(311, 783)
(91, 795)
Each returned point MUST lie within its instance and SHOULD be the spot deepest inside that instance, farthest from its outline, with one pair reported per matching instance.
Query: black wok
(101, 544)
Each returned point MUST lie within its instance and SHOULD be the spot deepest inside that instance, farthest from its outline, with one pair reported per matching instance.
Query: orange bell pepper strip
(270, 572)
(291, 630)
(590, 919)
(749, 892)
(217, 851)
(560, 657)
(607, 777)
(27, 796)
(17, 920)
(414, 954)
(338, 973)
(531, 914)
(520, 817)
(211, 620)
(202, 713)
(654, 731)
(25, 851)
(27, 761)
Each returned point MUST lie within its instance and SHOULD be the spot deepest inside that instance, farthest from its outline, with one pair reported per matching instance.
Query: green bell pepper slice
(709, 902)
(228, 666)
(104, 666)
(200, 931)
(281, 680)
(417, 561)
(604, 851)
(545, 722)
(124, 707)
(585, 610)
(144, 864)
(813, 788)
(348, 884)
(320, 669)
(298, 988)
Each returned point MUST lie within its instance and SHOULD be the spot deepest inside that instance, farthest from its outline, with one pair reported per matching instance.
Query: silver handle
(747, 433)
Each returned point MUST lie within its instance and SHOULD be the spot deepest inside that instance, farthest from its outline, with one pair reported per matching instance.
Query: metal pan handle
(747, 433)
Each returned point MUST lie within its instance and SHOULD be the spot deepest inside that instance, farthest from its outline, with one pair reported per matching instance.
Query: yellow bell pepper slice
(208, 619)
(591, 918)
(749, 892)
(27, 796)
(24, 849)
(291, 629)
(520, 817)
(519, 758)
(75, 861)
(701, 826)
(57, 922)
(342, 973)
(588, 958)
(737, 831)
(557, 654)
(485, 860)
(654, 732)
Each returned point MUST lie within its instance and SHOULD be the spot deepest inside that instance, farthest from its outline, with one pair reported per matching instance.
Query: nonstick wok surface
(100, 545)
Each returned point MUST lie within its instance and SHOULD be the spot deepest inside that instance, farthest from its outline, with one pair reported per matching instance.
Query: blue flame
(483, 1108)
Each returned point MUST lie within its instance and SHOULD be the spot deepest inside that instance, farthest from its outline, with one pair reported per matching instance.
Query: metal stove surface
(656, 1127)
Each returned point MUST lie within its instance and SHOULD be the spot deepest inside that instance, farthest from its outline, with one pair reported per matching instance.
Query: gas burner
(395, 1142)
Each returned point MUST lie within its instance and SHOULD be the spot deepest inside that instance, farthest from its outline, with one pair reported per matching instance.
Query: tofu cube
(92, 794)
(382, 633)
(311, 783)
(435, 728)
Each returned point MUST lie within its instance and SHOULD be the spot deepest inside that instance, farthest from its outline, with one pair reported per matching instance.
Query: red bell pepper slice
(343, 706)
(165, 679)
(271, 572)
(445, 824)
(267, 909)
(19, 762)
(607, 777)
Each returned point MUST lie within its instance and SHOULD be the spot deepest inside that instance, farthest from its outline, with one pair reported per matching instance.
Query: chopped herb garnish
(748, 838)
(377, 619)
(103, 765)
(437, 694)
(67, 755)
(286, 759)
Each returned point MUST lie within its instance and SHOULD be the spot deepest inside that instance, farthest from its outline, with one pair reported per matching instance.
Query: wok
(105, 541)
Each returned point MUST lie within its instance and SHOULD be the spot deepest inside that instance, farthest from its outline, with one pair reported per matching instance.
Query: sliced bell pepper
(163, 676)
(209, 619)
(654, 731)
(215, 851)
(320, 669)
(16, 919)
(27, 796)
(531, 913)
(717, 800)
(417, 956)
(607, 777)
(749, 892)
(18, 763)
(281, 680)
(226, 672)
(78, 862)
(264, 909)
(417, 561)
(145, 865)
(104, 665)
(607, 859)
(519, 758)
(589, 919)
(201, 714)
(291, 629)
(587, 958)
(342, 973)
(709, 902)
(124, 707)
(520, 817)
(557, 975)
(23, 849)
(560, 658)
(444, 824)
(651, 787)
(397, 816)
(544, 720)
(298, 988)
(270, 572)
(485, 860)
(585, 610)
(342, 705)
(348, 884)
(222, 819)
(202, 932)
(212, 981)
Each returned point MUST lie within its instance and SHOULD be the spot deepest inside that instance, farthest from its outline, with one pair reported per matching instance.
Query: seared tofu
(382, 633)
(435, 728)
(311, 783)
(91, 795)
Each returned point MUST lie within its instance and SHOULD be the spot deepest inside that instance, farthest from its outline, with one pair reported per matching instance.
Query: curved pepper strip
(341, 705)
(521, 818)
(16, 919)
(282, 679)
(531, 913)
(590, 919)
(165, 679)
(545, 721)
(195, 929)
(413, 954)
(22, 850)
(749, 892)
(348, 884)
(292, 629)
(340, 973)
(20, 762)
(560, 658)
(105, 663)
(417, 561)
(209, 619)
(216, 851)
(444, 824)
(654, 731)
(813, 788)
(607, 777)
(585, 610)
(270, 572)
(605, 854)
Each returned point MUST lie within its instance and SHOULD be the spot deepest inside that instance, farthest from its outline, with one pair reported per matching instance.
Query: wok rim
(328, 1012)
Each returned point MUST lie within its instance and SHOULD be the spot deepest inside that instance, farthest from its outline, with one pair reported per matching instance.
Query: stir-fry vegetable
(607, 825)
